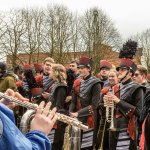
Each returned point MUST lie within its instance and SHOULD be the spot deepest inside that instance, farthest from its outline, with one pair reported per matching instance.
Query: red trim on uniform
(105, 90)
(131, 127)
(142, 140)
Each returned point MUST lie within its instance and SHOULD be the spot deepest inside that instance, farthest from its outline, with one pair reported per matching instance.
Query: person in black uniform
(128, 104)
(85, 99)
(57, 94)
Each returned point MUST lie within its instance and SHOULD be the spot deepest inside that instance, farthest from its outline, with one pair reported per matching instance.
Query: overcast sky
(129, 16)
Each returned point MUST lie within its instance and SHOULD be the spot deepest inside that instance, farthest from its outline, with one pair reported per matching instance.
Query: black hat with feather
(126, 56)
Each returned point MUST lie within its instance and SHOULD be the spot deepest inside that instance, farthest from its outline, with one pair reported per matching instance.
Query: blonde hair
(113, 70)
(59, 73)
(49, 59)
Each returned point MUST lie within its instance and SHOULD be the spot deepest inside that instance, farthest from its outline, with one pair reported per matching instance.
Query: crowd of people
(114, 104)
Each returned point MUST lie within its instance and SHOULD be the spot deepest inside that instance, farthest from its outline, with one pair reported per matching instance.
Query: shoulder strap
(116, 89)
(76, 85)
(105, 90)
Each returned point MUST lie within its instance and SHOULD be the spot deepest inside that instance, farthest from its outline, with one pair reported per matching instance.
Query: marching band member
(85, 99)
(57, 94)
(105, 67)
(103, 133)
(128, 104)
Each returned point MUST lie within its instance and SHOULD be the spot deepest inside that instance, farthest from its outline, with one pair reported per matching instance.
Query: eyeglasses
(104, 69)
(136, 74)
(122, 69)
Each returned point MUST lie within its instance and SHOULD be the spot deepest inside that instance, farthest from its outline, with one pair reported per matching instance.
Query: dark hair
(30, 79)
(74, 62)
(3, 67)
(70, 79)
(142, 70)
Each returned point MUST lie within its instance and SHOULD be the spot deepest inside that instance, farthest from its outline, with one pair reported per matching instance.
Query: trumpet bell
(112, 127)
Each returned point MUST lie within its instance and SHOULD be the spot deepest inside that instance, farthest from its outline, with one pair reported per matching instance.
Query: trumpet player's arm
(128, 109)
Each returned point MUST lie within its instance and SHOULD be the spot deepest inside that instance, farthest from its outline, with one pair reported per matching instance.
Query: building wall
(104, 51)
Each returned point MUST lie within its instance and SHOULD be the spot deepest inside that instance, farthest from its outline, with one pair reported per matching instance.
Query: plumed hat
(85, 62)
(38, 67)
(105, 64)
(129, 49)
(27, 67)
(126, 56)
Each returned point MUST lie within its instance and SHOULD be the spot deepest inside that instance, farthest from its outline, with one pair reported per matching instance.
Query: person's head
(3, 68)
(140, 75)
(105, 67)
(84, 66)
(58, 73)
(47, 64)
(126, 69)
(73, 66)
(113, 77)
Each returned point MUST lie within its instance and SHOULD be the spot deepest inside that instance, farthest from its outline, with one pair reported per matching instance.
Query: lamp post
(96, 39)
(95, 25)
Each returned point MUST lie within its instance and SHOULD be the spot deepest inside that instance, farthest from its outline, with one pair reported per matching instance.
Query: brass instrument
(72, 138)
(110, 114)
(107, 116)
(61, 117)
(75, 138)
(102, 131)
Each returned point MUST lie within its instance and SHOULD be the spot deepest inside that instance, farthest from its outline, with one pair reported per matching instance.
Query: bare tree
(14, 30)
(33, 38)
(2, 33)
(58, 31)
(143, 40)
(98, 30)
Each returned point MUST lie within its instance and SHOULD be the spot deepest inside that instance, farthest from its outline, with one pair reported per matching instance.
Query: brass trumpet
(110, 107)
(61, 117)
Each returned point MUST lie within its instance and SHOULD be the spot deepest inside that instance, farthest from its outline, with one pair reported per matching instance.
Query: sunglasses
(136, 74)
